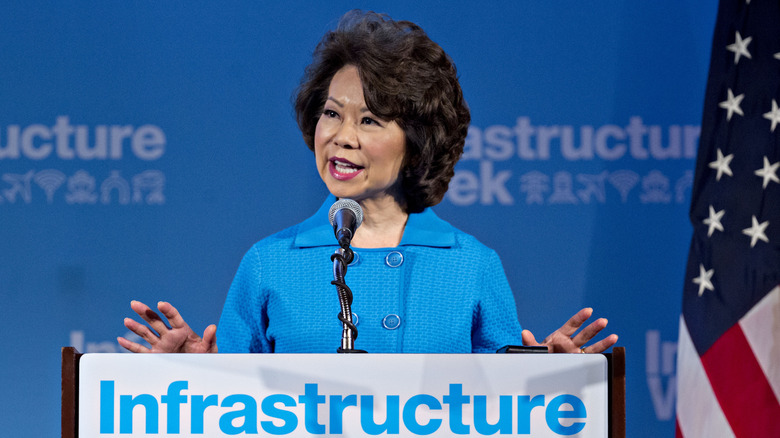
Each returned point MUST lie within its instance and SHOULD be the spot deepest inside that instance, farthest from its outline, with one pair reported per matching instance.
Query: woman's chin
(342, 189)
(340, 193)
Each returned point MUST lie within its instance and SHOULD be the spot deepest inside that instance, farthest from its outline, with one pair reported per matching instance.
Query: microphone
(346, 216)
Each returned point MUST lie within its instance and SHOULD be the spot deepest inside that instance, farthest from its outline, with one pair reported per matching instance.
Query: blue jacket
(439, 291)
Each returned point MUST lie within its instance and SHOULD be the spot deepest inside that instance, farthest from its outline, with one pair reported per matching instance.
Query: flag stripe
(698, 412)
(761, 326)
(739, 384)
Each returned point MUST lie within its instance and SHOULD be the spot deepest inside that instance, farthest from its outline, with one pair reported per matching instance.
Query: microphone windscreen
(350, 205)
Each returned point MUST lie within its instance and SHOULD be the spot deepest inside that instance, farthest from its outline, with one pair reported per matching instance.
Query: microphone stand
(341, 258)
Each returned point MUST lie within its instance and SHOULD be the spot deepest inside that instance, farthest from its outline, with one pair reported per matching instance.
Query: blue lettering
(410, 414)
(456, 400)
(504, 423)
(249, 413)
(289, 418)
(391, 424)
(554, 414)
(173, 400)
(337, 406)
(199, 405)
(310, 399)
(525, 404)
(564, 415)
(106, 406)
(126, 405)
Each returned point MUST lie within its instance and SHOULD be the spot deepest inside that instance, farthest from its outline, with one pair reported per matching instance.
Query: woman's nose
(346, 137)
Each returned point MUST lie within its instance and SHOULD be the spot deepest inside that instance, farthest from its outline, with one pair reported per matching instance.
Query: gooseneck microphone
(345, 216)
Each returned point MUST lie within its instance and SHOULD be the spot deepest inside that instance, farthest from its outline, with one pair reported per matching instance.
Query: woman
(382, 109)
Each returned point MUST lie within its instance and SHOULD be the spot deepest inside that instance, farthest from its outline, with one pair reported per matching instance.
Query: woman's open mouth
(342, 169)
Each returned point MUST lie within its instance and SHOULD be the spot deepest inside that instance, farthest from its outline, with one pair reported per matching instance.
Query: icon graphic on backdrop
(563, 192)
(117, 183)
(682, 186)
(81, 189)
(656, 189)
(623, 180)
(534, 184)
(20, 185)
(594, 187)
(49, 180)
(152, 183)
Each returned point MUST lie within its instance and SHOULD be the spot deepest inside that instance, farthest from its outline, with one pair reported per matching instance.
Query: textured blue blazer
(439, 291)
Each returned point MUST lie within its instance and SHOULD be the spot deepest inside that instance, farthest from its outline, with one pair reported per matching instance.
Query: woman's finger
(528, 338)
(210, 338)
(172, 315)
(150, 316)
(142, 331)
(601, 345)
(575, 322)
(132, 346)
(590, 332)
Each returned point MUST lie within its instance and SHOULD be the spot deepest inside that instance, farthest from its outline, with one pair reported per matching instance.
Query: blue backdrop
(144, 146)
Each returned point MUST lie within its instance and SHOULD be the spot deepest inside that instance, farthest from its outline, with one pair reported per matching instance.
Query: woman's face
(358, 155)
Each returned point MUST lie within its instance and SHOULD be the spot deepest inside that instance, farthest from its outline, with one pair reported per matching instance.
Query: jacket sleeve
(495, 323)
(244, 321)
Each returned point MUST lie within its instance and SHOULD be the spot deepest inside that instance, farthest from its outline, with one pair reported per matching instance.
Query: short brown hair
(406, 78)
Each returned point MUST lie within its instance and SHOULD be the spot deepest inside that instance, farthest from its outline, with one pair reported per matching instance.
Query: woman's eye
(369, 121)
(329, 113)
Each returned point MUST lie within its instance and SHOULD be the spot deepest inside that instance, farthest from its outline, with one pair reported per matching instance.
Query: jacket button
(391, 321)
(355, 259)
(394, 259)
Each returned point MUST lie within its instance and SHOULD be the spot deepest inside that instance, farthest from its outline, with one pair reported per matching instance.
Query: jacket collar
(422, 229)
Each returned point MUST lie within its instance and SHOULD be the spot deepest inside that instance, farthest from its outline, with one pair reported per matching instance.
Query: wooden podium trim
(70, 392)
(616, 369)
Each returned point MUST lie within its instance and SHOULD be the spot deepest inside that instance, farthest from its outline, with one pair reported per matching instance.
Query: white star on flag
(731, 104)
(768, 172)
(722, 165)
(774, 115)
(739, 47)
(756, 232)
(714, 221)
(704, 280)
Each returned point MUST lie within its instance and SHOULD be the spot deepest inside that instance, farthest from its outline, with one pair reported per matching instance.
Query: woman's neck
(384, 221)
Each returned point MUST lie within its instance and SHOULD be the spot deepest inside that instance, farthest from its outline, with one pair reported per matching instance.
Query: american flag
(728, 363)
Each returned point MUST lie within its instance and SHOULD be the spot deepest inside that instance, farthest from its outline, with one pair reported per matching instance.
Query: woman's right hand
(174, 337)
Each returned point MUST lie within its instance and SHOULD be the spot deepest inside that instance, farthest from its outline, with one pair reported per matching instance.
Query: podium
(343, 395)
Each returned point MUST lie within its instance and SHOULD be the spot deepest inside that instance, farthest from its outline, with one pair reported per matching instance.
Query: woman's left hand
(564, 340)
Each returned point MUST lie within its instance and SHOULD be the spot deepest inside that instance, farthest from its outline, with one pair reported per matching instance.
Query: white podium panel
(299, 395)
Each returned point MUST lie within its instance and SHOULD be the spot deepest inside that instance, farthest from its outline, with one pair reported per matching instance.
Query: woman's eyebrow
(363, 109)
